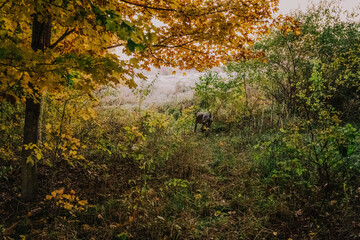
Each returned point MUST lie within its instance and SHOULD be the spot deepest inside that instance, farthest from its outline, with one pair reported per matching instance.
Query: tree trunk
(40, 40)
(31, 136)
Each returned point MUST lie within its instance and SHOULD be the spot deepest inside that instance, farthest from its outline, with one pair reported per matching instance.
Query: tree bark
(41, 33)
(31, 136)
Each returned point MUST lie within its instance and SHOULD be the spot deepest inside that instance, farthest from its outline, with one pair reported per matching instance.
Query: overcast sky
(287, 5)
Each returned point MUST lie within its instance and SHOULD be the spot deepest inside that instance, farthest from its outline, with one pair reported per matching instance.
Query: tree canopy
(189, 34)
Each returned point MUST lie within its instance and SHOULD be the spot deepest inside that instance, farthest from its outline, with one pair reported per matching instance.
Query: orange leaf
(48, 197)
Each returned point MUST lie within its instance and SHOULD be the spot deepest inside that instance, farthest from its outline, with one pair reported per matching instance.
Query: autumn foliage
(280, 161)
(184, 34)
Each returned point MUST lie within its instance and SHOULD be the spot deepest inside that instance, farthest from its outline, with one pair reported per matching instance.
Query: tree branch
(148, 7)
(116, 45)
(51, 3)
(159, 59)
(174, 46)
(67, 33)
(211, 11)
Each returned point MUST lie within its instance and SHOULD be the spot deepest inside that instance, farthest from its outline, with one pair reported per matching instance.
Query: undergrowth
(148, 176)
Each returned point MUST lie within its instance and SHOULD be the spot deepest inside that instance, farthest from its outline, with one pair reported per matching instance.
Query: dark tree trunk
(40, 40)
(31, 136)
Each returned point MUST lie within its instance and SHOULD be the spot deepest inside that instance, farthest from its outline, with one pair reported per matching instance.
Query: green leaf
(110, 25)
(131, 45)
(122, 236)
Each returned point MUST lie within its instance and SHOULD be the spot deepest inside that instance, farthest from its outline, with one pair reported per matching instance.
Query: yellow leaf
(85, 117)
(184, 73)
(197, 196)
(83, 202)
(67, 196)
(71, 152)
(134, 61)
(38, 155)
(48, 197)
(29, 160)
(68, 206)
(174, 72)
(91, 112)
(275, 233)
(60, 191)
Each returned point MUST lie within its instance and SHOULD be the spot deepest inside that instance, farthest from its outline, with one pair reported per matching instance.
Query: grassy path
(227, 188)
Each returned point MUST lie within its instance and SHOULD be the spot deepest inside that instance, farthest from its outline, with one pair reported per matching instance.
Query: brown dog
(204, 118)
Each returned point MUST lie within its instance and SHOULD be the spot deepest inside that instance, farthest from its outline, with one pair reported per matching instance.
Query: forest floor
(149, 176)
(195, 195)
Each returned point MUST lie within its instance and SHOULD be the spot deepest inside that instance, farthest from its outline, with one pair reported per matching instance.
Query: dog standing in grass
(204, 118)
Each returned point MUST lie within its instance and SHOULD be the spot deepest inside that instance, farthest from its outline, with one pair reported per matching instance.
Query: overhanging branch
(214, 10)
(148, 7)
(67, 33)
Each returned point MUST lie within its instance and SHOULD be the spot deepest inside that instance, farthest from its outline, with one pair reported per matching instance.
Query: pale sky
(286, 6)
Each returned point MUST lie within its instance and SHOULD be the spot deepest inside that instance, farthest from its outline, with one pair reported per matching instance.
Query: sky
(285, 6)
